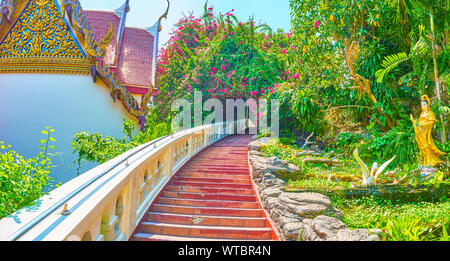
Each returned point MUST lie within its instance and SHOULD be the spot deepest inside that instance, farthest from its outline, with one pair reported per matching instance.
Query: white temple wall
(68, 103)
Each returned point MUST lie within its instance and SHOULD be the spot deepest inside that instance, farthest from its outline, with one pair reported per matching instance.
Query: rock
(377, 232)
(271, 203)
(292, 230)
(307, 205)
(271, 193)
(298, 215)
(289, 218)
(255, 153)
(258, 144)
(356, 235)
(305, 198)
(323, 228)
(309, 210)
(268, 183)
(275, 166)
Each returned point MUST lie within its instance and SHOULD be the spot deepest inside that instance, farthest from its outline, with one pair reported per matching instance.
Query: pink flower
(284, 51)
(316, 24)
(295, 76)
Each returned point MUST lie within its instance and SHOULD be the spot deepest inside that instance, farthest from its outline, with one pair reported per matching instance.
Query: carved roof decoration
(40, 37)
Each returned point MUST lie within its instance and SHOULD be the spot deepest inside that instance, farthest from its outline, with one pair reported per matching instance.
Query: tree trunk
(436, 76)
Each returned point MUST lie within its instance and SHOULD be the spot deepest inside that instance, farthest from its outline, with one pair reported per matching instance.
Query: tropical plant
(22, 181)
(431, 43)
(99, 149)
(371, 177)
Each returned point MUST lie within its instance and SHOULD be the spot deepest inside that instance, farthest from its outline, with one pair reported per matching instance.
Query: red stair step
(206, 231)
(210, 211)
(210, 185)
(155, 237)
(208, 203)
(213, 180)
(227, 197)
(213, 176)
(210, 190)
(210, 198)
(206, 220)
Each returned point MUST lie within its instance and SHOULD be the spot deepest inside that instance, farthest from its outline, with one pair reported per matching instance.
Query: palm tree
(427, 44)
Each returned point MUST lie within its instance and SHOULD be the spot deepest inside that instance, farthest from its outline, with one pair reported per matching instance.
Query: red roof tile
(134, 65)
(135, 62)
(99, 22)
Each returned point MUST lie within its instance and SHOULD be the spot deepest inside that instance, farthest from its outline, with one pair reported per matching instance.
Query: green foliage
(345, 142)
(419, 221)
(389, 63)
(220, 56)
(318, 185)
(399, 141)
(299, 109)
(100, 149)
(22, 181)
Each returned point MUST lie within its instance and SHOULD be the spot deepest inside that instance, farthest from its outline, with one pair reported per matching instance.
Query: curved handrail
(126, 158)
(64, 200)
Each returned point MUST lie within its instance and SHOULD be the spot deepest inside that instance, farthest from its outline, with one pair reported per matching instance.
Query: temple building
(74, 70)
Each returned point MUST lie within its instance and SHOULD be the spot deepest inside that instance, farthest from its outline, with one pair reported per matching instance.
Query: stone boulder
(298, 216)
(307, 205)
(259, 143)
(325, 228)
(274, 165)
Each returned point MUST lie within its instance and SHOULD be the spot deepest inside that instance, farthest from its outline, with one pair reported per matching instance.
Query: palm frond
(389, 63)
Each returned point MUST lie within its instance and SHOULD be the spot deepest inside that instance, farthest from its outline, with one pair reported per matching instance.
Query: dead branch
(307, 142)
(327, 162)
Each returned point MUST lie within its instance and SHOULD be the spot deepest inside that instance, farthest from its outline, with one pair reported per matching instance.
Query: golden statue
(423, 128)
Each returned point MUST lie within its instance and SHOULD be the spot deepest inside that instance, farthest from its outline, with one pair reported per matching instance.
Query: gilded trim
(79, 21)
(118, 91)
(45, 65)
(41, 41)
(163, 16)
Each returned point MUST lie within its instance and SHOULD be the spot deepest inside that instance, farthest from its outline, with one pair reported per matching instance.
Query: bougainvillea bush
(222, 57)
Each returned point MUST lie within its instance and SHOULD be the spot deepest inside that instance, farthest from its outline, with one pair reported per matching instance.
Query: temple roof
(135, 60)
(58, 36)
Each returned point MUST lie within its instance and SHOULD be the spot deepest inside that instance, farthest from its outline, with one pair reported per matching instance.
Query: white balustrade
(108, 202)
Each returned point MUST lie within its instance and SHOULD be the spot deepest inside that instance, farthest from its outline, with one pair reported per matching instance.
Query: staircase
(210, 198)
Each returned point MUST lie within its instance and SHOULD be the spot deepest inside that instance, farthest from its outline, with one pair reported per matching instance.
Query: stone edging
(298, 216)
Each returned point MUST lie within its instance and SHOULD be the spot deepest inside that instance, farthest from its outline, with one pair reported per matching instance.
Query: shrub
(22, 181)
(100, 149)
(400, 221)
